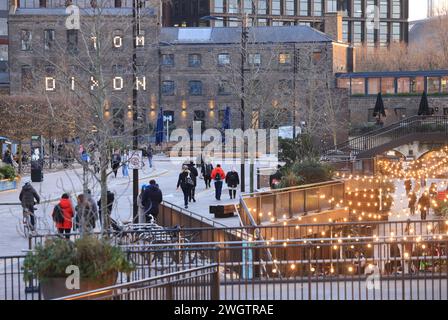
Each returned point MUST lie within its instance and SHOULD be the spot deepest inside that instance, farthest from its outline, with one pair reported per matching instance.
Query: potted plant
(97, 260)
(8, 178)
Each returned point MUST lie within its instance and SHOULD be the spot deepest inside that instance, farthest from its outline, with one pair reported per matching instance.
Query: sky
(417, 9)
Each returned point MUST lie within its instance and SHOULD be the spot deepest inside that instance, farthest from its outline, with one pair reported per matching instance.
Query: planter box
(6, 184)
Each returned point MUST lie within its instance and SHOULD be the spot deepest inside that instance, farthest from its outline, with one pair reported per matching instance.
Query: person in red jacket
(67, 211)
(219, 176)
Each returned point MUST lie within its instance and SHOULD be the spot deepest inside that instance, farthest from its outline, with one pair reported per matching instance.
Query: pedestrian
(85, 217)
(417, 187)
(232, 181)
(7, 157)
(125, 163)
(65, 226)
(185, 183)
(424, 204)
(408, 186)
(152, 197)
(206, 171)
(110, 199)
(92, 203)
(412, 201)
(141, 208)
(149, 154)
(115, 162)
(194, 175)
(218, 175)
(28, 198)
(274, 179)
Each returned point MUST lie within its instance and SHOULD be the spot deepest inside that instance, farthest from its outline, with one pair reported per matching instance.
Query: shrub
(8, 172)
(2, 176)
(306, 172)
(96, 258)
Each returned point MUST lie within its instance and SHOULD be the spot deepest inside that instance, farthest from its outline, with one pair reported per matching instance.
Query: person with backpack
(151, 199)
(185, 182)
(115, 162)
(232, 180)
(63, 214)
(206, 171)
(218, 175)
(194, 175)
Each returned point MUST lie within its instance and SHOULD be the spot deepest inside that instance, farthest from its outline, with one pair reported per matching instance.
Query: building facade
(4, 77)
(357, 15)
(192, 74)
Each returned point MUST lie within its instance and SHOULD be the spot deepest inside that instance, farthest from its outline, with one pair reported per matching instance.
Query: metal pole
(243, 53)
(136, 23)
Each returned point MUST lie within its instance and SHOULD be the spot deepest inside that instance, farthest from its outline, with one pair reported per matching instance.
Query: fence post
(169, 292)
(215, 282)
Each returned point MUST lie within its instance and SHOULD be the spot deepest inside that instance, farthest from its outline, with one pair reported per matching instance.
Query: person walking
(141, 208)
(185, 182)
(107, 215)
(424, 204)
(412, 201)
(152, 197)
(85, 217)
(115, 162)
(66, 224)
(218, 175)
(232, 181)
(28, 197)
(125, 163)
(206, 171)
(7, 157)
(274, 179)
(149, 154)
(194, 176)
(408, 186)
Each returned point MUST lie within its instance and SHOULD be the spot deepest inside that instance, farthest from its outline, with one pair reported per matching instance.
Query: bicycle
(28, 228)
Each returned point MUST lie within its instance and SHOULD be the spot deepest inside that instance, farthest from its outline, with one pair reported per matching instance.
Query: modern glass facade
(393, 16)
(395, 83)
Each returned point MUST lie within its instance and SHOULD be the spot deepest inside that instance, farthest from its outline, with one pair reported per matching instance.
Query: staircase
(415, 128)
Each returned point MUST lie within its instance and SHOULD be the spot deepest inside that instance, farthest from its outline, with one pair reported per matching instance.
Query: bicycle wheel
(26, 226)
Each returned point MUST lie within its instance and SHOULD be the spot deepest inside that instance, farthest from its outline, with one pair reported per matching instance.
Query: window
(357, 8)
(396, 9)
(344, 8)
(25, 38)
(317, 56)
(224, 88)
(48, 39)
(168, 60)
(357, 32)
(72, 41)
(275, 7)
(219, 6)
(218, 23)
(388, 85)
(232, 6)
(290, 7)
(194, 60)
(255, 59)
(443, 84)
(396, 32)
(304, 9)
(117, 3)
(262, 7)
(331, 6)
(168, 88)
(358, 86)
(433, 84)
(223, 59)
(383, 34)
(42, 3)
(417, 85)
(317, 10)
(3, 57)
(3, 27)
(284, 58)
(384, 8)
(248, 6)
(374, 85)
(27, 77)
(195, 88)
(262, 22)
(343, 83)
(345, 34)
(403, 85)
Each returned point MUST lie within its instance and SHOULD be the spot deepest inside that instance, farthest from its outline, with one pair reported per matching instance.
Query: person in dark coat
(206, 171)
(412, 201)
(151, 199)
(194, 175)
(85, 216)
(28, 197)
(424, 204)
(275, 178)
(185, 182)
(7, 157)
(408, 186)
(115, 162)
(232, 181)
(109, 207)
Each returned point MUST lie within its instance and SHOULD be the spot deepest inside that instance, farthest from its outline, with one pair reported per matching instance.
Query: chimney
(333, 25)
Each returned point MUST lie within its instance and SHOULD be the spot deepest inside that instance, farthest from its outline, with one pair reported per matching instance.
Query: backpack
(189, 181)
(218, 177)
(57, 215)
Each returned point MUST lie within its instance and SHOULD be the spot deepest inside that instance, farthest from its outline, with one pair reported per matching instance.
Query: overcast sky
(417, 9)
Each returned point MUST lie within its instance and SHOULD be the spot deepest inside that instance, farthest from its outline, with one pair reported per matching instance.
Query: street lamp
(244, 38)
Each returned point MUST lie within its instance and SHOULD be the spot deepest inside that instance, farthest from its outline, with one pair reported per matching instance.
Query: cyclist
(27, 197)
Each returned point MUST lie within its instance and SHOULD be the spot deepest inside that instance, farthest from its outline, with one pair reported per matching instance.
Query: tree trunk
(103, 184)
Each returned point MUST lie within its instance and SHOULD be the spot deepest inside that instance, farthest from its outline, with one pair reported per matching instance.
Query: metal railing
(193, 284)
(414, 124)
(12, 284)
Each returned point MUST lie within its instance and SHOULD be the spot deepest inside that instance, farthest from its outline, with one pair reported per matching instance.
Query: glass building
(359, 25)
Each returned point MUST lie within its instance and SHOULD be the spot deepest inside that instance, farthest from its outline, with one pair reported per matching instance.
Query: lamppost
(244, 38)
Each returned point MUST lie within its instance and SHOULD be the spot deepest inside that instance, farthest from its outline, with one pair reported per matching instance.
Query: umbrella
(159, 128)
(379, 106)
(423, 109)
